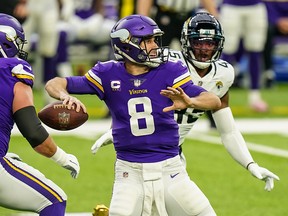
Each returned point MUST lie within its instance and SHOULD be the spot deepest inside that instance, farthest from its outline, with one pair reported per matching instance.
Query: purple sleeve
(80, 85)
(193, 90)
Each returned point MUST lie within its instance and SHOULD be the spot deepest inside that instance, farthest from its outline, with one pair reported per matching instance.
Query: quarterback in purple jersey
(22, 186)
(201, 54)
(142, 89)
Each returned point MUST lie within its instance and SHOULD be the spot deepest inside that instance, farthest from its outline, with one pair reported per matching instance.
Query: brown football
(57, 116)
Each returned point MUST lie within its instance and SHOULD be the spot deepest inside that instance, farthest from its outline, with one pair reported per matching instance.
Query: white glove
(105, 139)
(13, 156)
(67, 161)
(263, 174)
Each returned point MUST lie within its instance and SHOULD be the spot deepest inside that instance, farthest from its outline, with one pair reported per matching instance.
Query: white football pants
(163, 188)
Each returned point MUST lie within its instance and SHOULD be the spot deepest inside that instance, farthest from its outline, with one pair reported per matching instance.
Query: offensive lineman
(202, 42)
(22, 187)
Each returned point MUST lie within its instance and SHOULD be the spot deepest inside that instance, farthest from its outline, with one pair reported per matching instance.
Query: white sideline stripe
(251, 146)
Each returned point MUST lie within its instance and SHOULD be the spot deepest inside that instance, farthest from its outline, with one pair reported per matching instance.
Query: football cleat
(101, 210)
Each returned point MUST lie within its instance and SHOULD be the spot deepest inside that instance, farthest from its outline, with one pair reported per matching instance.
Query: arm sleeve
(231, 137)
(30, 126)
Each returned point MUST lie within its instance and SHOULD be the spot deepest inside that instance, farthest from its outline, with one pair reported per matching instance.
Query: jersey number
(140, 110)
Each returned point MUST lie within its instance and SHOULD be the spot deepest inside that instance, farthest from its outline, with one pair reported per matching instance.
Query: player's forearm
(56, 87)
(231, 137)
(47, 148)
(205, 101)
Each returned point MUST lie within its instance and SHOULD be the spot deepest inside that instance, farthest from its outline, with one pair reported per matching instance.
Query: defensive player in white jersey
(202, 42)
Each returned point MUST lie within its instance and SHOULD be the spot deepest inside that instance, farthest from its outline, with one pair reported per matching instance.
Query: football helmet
(202, 27)
(129, 32)
(12, 37)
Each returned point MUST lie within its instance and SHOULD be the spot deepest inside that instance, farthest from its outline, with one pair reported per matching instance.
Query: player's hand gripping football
(70, 100)
(105, 139)
(263, 174)
(67, 161)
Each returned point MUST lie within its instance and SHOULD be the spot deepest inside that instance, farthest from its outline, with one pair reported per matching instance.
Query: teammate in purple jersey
(22, 186)
(142, 89)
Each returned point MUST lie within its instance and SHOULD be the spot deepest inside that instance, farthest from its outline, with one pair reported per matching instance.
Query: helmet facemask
(155, 56)
(21, 53)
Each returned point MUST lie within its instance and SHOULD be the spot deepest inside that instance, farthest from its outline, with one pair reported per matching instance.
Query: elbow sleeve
(30, 126)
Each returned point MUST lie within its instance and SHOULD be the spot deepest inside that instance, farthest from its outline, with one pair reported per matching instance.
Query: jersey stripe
(20, 73)
(33, 179)
(23, 76)
(94, 79)
(181, 80)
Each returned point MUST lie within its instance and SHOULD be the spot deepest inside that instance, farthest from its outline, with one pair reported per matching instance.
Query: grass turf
(229, 187)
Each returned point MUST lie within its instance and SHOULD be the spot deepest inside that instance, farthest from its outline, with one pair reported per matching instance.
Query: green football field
(230, 188)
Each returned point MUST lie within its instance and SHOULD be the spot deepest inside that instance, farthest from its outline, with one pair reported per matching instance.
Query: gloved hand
(67, 161)
(105, 139)
(263, 174)
(13, 156)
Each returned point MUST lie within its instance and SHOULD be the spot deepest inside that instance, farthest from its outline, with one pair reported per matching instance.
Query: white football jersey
(218, 80)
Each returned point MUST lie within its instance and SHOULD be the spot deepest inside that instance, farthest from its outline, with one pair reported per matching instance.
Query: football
(57, 116)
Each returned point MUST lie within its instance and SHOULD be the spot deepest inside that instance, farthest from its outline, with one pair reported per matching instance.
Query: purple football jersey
(21, 72)
(242, 2)
(142, 132)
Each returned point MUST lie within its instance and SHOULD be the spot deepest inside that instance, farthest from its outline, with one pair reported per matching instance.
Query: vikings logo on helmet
(12, 37)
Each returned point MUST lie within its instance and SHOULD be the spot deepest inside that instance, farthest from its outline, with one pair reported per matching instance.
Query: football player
(22, 186)
(202, 42)
(246, 20)
(90, 24)
(149, 175)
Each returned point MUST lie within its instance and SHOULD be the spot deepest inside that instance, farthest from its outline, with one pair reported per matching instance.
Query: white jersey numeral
(143, 104)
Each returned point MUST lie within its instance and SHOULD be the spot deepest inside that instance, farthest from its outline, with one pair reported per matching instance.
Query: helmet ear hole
(7, 46)
(127, 49)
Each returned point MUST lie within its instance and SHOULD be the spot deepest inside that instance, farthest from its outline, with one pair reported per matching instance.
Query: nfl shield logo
(125, 174)
(63, 119)
(137, 82)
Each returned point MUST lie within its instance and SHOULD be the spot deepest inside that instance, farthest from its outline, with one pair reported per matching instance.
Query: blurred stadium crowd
(68, 36)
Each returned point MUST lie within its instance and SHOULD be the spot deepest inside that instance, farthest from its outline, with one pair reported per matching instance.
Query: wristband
(60, 156)
(249, 164)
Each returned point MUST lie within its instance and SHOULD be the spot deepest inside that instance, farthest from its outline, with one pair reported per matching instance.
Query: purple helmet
(12, 37)
(129, 32)
(202, 26)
